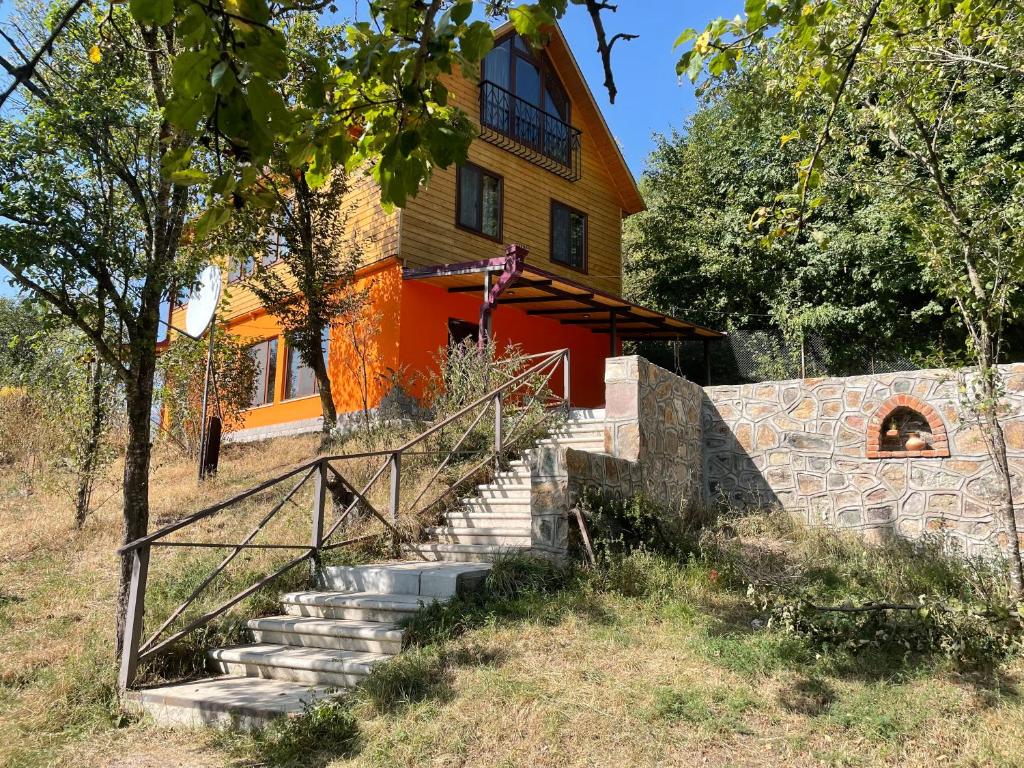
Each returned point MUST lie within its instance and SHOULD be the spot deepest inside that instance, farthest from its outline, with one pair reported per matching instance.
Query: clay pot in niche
(915, 442)
(892, 434)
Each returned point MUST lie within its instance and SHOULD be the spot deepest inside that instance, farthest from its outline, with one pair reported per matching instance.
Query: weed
(406, 679)
(326, 730)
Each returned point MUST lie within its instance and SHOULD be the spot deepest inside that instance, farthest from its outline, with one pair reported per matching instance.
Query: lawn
(650, 661)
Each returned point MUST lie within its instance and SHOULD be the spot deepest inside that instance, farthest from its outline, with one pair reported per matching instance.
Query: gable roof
(584, 103)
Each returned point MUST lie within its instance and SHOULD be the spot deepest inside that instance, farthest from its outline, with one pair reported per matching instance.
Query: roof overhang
(540, 293)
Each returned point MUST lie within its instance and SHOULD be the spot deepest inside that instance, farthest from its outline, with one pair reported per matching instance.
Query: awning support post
(515, 257)
(707, 362)
(614, 335)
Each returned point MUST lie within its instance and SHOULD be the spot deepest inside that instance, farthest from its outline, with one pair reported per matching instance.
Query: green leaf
(188, 176)
(154, 13)
(477, 41)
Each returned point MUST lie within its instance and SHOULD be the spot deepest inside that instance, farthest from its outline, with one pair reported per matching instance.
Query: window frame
(547, 72)
(586, 237)
(270, 383)
(501, 201)
(285, 397)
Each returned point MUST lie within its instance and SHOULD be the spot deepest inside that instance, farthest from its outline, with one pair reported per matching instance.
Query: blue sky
(651, 98)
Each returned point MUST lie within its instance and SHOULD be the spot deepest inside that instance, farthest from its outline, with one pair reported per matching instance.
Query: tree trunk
(87, 470)
(323, 381)
(139, 396)
(992, 430)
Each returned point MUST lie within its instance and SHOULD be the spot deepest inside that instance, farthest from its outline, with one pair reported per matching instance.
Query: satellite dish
(202, 302)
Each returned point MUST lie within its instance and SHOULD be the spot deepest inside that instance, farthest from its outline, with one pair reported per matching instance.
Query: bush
(617, 527)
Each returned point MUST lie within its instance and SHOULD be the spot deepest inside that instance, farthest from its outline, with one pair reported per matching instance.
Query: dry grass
(660, 668)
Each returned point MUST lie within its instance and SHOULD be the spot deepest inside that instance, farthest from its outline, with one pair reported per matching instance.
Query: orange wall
(424, 330)
(381, 322)
(407, 324)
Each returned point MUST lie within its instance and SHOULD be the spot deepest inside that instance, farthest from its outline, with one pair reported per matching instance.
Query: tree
(70, 392)
(852, 281)
(182, 370)
(228, 55)
(297, 251)
(939, 85)
(89, 223)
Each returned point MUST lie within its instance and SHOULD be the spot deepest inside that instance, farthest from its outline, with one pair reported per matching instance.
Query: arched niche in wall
(896, 424)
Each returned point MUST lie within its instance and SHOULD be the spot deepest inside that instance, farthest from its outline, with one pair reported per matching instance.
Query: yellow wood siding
(429, 236)
(368, 224)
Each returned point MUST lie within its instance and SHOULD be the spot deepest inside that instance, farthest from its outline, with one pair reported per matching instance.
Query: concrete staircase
(497, 520)
(324, 641)
(329, 640)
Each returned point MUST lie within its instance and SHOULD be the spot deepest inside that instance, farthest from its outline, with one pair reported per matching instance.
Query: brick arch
(940, 439)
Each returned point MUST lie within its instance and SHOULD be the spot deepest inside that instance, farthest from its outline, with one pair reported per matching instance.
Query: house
(525, 238)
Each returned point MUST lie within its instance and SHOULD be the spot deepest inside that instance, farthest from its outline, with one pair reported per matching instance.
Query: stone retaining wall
(804, 445)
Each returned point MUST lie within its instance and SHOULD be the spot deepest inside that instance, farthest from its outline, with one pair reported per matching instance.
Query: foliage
(934, 90)
(378, 98)
(467, 373)
(297, 248)
(619, 526)
(91, 224)
(53, 382)
(182, 375)
(410, 677)
(852, 281)
(969, 635)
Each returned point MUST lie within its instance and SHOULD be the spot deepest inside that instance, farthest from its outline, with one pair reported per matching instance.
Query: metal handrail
(529, 131)
(320, 470)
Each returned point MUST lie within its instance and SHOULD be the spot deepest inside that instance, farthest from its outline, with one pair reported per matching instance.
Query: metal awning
(540, 293)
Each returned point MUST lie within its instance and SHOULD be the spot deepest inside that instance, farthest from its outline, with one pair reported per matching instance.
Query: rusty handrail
(134, 651)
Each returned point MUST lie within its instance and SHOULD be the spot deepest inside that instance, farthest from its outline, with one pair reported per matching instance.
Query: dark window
(277, 246)
(300, 380)
(241, 268)
(513, 66)
(264, 355)
(460, 330)
(479, 205)
(568, 236)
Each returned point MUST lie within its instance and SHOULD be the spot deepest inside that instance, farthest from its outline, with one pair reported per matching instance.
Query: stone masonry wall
(652, 417)
(652, 446)
(803, 445)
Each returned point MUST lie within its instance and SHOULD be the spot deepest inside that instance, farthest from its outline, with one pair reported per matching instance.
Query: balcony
(523, 129)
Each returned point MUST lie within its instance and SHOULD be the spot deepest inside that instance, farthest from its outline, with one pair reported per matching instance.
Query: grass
(649, 661)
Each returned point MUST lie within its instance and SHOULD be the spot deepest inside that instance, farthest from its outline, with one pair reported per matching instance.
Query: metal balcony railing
(529, 132)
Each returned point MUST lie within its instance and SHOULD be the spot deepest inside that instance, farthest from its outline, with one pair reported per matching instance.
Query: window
(264, 355)
(300, 381)
(241, 268)
(277, 246)
(524, 100)
(568, 236)
(479, 204)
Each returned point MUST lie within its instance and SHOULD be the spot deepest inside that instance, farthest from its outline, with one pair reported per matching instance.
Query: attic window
(525, 109)
(906, 427)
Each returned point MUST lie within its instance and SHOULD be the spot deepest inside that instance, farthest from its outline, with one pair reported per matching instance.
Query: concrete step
(470, 535)
(579, 442)
(466, 553)
(412, 578)
(475, 519)
(332, 634)
(243, 703)
(360, 606)
(475, 504)
(519, 491)
(312, 666)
